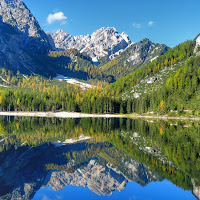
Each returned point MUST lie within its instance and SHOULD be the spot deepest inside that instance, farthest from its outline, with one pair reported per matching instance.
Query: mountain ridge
(102, 42)
(134, 56)
(26, 47)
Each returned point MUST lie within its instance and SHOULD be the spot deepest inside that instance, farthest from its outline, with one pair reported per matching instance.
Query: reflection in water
(78, 164)
(39, 153)
(196, 189)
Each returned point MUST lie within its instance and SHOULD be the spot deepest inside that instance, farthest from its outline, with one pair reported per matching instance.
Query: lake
(91, 158)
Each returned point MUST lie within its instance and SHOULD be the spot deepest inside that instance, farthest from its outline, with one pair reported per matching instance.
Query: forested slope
(173, 56)
(178, 93)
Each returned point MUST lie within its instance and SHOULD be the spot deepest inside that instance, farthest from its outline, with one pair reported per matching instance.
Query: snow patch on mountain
(154, 58)
(73, 82)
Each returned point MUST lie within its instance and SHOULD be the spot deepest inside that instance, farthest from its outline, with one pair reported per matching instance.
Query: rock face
(143, 52)
(196, 189)
(134, 56)
(20, 38)
(103, 42)
(103, 179)
(100, 180)
(16, 14)
(12, 54)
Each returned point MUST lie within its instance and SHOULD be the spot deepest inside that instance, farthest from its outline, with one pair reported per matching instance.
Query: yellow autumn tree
(18, 102)
(161, 129)
(162, 106)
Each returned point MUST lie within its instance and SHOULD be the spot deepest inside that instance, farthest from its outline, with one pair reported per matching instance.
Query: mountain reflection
(38, 153)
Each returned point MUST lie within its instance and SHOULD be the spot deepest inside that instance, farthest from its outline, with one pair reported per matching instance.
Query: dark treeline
(62, 99)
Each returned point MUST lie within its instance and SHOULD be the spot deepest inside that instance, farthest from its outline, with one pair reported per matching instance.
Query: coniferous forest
(179, 93)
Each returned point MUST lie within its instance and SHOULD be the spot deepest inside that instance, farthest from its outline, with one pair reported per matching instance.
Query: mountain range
(24, 46)
(103, 42)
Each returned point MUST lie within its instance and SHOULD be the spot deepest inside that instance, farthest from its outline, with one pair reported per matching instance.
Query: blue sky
(171, 21)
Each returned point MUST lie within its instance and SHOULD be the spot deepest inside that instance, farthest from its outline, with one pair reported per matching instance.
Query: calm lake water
(53, 159)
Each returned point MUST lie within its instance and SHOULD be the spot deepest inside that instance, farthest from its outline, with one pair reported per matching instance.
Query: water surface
(111, 159)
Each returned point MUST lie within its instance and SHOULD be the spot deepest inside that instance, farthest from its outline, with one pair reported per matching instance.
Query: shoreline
(86, 115)
(167, 117)
(61, 115)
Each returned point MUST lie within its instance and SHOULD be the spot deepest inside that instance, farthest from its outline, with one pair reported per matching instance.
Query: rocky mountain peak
(102, 42)
(105, 33)
(126, 37)
(62, 34)
(108, 30)
(146, 40)
(60, 31)
(16, 14)
(10, 2)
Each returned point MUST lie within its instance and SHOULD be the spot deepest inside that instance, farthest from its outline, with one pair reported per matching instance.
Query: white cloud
(136, 25)
(151, 23)
(59, 16)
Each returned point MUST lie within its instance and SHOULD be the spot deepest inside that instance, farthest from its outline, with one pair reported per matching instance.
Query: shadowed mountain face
(13, 54)
(25, 170)
(21, 38)
(16, 14)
